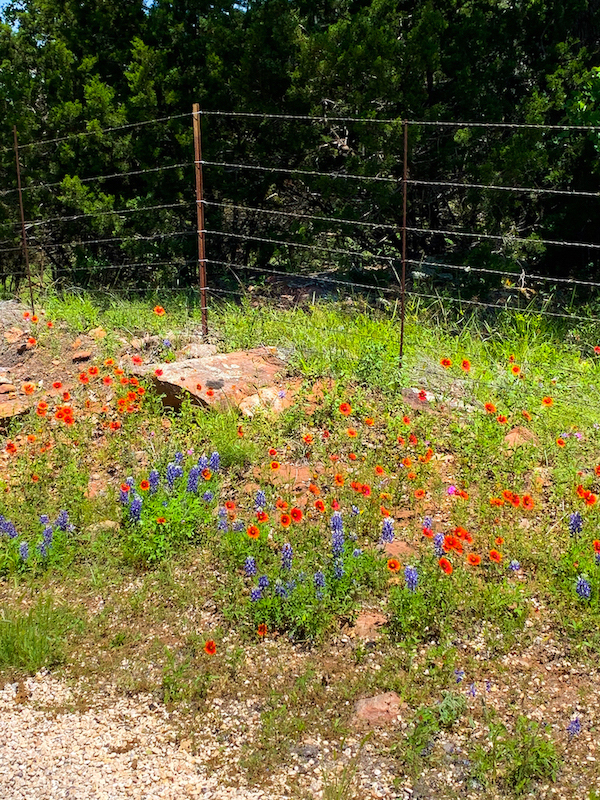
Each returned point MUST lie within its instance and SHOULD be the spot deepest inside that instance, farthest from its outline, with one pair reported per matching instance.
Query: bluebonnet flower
(281, 394)
(357, 552)
(387, 531)
(178, 457)
(263, 582)
(460, 674)
(256, 594)
(598, 559)
(411, 578)
(154, 480)
(260, 501)
(214, 462)
(238, 526)
(337, 537)
(166, 343)
(129, 481)
(43, 548)
(44, 519)
(202, 463)
(47, 535)
(319, 580)
(472, 691)
(280, 590)
(250, 567)
(286, 556)
(355, 510)
(222, 525)
(62, 521)
(290, 586)
(135, 509)
(514, 565)
(222, 512)
(338, 568)
(174, 471)
(124, 497)
(488, 686)
(438, 544)
(24, 551)
(207, 497)
(428, 522)
(574, 727)
(575, 523)
(583, 588)
(193, 476)
(9, 529)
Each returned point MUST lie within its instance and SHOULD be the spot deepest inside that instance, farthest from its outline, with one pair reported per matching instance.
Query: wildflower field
(208, 557)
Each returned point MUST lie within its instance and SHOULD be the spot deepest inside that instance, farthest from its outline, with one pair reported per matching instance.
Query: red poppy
(445, 565)
(320, 505)
(272, 452)
(262, 630)
(473, 559)
(527, 502)
(285, 520)
(210, 648)
(144, 486)
(445, 362)
(393, 565)
(490, 408)
(495, 556)
(422, 395)
(158, 372)
(345, 409)
(159, 311)
(253, 532)
(296, 514)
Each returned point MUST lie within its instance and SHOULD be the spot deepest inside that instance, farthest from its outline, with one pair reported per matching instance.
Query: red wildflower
(351, 433)
(413, 439)
(32, 341)
(11, 448)
(345, 409)
(419, 494)
(393, 565)
(352, 456)
(591, 499)
(210, 648)
(560, 442)
(365, 490)
(527, 502)
(253, 532)
(495, 556)
(230, 505)
(206, 474)
(473, 559)
(498, 540)
(490, 408)
(296, 514)
(159, 311)
(57, 385)
(314, 489)
(272, 452)
(411, 476)
(445, 565)
(137, 360)
(262, 516)
(428, 533)
(384, 511)
(285, 520)
(210, 393)
(308, 439)
(338, 479)
(526, 415)
(281, 503)
(161, 520)
(547, 401)
(502, 419)
(597, 350)
(93, 371)
(144, 486)
(28, 388)
(115, 425)
(422, 395)
(406, 420)
(466, 364)
(401, 440)
(320, 505)
(274, 465)
(369, 421)
(379, 470)
(445, 362)
(158, 372)
(596, 546)
(262, 630)
(406, 462)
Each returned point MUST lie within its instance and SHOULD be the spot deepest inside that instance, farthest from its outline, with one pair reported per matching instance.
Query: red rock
(399, 549)
(380, 710)
(519, 436)
(81, 355)
(7, 388)
(97, 333)
(13, 335)
(368, 625)
(10, 409)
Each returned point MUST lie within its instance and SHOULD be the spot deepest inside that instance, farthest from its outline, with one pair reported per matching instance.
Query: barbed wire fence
(336, 217)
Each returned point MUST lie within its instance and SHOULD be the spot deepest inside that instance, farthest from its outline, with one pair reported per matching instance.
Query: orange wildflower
(445, 362)
(490, 408)
(210, 648)
(262, 630)
(369, 421)
(285, 520)
(296, 514)
(473, 559)
(28, 388)
(345, 409)
(547, 401)
(351, 433)
(560, 442)
(253, 532)
(320, 505)
(338, 479)
(527, 502)
(445, 565)
(419, 494)
(393, 565)
(495, 556)
(159, 311)
(465, 365)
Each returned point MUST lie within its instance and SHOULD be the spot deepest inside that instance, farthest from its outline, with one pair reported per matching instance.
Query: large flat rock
(221, 381)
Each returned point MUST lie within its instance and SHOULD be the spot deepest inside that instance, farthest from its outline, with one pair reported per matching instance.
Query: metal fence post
(23, 233)
(200, 216)
(403, 281)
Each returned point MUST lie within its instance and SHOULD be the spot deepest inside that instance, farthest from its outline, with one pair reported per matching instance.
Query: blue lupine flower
(44, 519)
(9, 529)
(250, 567)
(222, 512)
(260, 501)
(62, 521)
(290, 586)
(129, 481)
(202, 463)
(583, 588)
(411, 578)
(472, 690)
(387, 531)
(178, 457)
(438, 544)
(286, 556)
(124, 497)
(263, 581)
(135, 509)
(574, 727)
(47, 534)
(256, 594)
(338, 569)
(207, 497)
(281, 394)
(238, 526)
(337, 537)
(460, 674)
(166, 343)
(357, 552)
(193, 476)
(427, 522)
(355, 510)
(214, 462)
(174, 471)
(222, 525)
(24, 551)
(280, 590)
(575, 523)
(154, 480)
(319, 580)
(514, 565)
(43, 548)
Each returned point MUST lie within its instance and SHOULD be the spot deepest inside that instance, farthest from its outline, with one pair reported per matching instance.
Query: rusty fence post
(403, 280)
(23, 232)
(200, 216)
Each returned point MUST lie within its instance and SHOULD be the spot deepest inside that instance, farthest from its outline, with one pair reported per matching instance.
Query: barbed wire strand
(116, 212)
(131, 239)
(521, 276)
(109, 176)
(134, 264)
(507, 239)
(398, 120)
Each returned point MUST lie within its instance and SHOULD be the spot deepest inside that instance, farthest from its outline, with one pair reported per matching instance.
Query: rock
(197, 349)
(81, 355)
(368, 626)
(380, 710)
(7, 388)
(519, 436)
(104, 525)
(10, 409)
(222, 380)
(423, 791)
(275, 398)
(12, 335)
(296, 476)
(97, 333)
(400, 549)
(96, 487)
